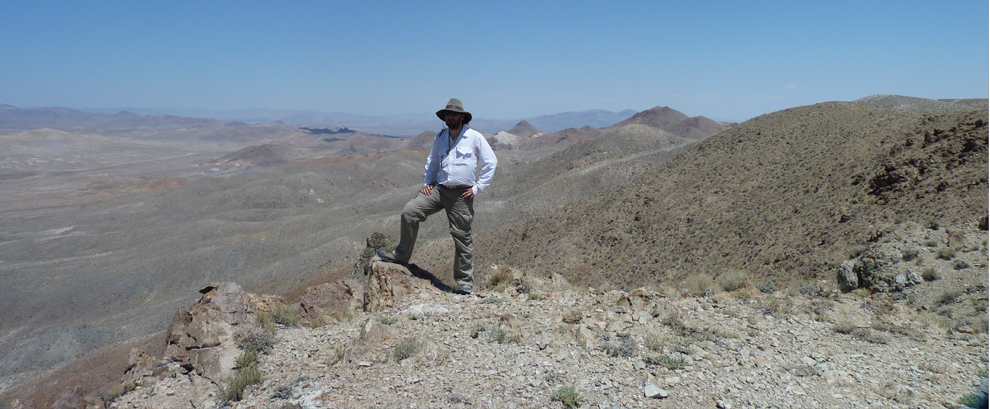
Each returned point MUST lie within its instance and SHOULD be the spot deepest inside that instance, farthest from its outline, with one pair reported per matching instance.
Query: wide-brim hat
(454, 105)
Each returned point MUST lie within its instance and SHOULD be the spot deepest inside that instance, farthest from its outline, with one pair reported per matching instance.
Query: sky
(726, 60)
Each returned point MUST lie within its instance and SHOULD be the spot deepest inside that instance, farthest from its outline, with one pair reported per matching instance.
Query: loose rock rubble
(659, 347)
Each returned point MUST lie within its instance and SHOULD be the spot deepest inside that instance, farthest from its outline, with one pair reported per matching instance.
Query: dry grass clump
(948, 297)
(247, 359)
(813, 289)
(909, 254)
(261, 342)
(665, 361)
(805, 370)
(336, 356)
(625, 347)
(699, 285)
(432, 355)
(855, 251)
(862, 334)
(733, 280)
(232, 389)
(568, 396)
(653, 341)
(947, 254)
(280, 314)
(573, 316)
(499, 279)
(406, 349)
(246, 370)
(500, 335)
(117, 391)
(771, 305)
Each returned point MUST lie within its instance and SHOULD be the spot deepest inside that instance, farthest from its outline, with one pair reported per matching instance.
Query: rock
(202, 337)
(69, 399)
(339, 299)
(373, 334)
(584, 336)
(848, 279)
(542, 340)
(655, 392)
(388, 282)
(421, 310)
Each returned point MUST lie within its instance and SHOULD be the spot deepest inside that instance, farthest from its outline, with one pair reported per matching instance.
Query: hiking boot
(386, 257)
(464, 290)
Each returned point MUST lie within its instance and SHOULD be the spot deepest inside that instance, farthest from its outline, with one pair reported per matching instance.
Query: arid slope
(783, 196)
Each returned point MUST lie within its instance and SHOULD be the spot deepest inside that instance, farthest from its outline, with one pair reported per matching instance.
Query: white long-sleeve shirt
(455, 162)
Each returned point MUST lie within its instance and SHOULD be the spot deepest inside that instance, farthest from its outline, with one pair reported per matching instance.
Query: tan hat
(455, 105)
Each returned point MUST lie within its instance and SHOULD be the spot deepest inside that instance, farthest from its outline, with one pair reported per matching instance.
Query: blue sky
(505, 60)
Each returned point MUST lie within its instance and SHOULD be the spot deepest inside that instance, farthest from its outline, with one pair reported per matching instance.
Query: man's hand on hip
(426, 190)
(468, 193)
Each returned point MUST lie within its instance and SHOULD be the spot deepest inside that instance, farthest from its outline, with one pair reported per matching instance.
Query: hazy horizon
(506, 60)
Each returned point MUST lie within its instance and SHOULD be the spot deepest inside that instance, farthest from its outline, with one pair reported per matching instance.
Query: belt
(457, 186)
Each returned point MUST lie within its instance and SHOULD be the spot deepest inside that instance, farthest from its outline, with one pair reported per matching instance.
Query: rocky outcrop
(908, 255)
(388, 282)
(202, 338)
(337, 299)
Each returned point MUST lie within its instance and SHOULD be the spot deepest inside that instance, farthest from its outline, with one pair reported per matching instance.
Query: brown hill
(657, 117)
(562, 139)
(422, 142)
(262, 155)
(524, 130)
(675, 122)
(784, 196)
(924, 105)
(697, 128)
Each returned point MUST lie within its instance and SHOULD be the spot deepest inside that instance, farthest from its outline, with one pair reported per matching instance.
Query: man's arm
(432, 163)
(488, 163)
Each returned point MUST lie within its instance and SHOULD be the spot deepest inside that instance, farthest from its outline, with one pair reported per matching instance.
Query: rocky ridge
(401, 340)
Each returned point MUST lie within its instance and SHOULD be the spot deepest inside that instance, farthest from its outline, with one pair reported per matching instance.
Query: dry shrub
(733, 280)
(699, 285)
(499, 279)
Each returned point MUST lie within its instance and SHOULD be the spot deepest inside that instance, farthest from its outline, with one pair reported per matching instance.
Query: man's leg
(416, 211)
(460, 214)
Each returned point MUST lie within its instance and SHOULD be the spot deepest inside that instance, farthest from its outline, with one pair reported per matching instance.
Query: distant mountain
(325, 131)
(595, 118)
(562, 139)
(525, 130)
(401, 125)
(657, 117)
(74, 120)
(675, 122)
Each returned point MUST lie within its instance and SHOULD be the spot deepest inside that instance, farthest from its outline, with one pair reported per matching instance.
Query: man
(451, 183)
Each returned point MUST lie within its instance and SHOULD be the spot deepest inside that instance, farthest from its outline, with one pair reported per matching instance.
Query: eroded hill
(784, 196)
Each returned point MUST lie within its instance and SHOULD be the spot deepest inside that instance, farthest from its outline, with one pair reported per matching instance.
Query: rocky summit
(396, 337)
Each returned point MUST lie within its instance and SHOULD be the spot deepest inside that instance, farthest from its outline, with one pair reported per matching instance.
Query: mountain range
(399, 125)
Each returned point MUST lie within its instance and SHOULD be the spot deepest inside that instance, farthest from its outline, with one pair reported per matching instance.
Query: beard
(454, 123)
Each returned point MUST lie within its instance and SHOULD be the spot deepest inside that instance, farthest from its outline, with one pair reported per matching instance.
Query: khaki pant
(460, 213)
